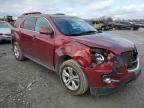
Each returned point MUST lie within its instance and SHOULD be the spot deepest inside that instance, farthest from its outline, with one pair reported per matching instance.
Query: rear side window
(29, 23)
(42, 23)
(18, 22)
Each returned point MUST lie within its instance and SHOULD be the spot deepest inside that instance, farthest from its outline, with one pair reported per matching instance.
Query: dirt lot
(29, 85)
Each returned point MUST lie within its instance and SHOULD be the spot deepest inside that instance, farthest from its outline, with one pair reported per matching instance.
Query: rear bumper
(104, 90)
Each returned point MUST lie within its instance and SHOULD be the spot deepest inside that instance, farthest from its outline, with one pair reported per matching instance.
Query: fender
(76, 51)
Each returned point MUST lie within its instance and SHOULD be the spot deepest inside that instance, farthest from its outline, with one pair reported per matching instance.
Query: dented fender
(81, 54)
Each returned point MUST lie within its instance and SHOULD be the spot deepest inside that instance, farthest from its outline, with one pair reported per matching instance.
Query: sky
(125, 9)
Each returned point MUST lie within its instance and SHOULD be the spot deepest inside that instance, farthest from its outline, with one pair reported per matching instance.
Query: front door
(44, 43)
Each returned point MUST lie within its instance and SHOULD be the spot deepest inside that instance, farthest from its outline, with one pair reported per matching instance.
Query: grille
(8, 34)
(130, 59)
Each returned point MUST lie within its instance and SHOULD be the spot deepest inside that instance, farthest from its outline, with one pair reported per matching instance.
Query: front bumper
(124, 76)
(5, 38)
(104, 90)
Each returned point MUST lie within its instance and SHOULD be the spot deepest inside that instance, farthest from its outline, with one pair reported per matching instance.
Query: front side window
(29, 23)
(73, 26)
(42, 23)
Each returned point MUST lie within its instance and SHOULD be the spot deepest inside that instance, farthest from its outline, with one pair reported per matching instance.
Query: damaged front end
(108, 71)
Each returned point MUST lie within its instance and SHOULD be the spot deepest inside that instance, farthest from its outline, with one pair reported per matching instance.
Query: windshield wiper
(88, 32)
(72, 34)
(83, 33)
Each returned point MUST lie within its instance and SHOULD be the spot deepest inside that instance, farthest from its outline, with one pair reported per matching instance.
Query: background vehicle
(5, 31)
(139, 23)
(101, 24)
(82, 57)
(121, 25)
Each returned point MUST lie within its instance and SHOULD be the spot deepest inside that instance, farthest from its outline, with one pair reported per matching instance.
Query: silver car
(5, 31)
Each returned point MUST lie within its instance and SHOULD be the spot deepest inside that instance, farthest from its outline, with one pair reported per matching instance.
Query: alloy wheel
(70, 78)
(16, 51)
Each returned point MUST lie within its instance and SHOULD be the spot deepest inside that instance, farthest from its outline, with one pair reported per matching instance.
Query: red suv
(83, 58)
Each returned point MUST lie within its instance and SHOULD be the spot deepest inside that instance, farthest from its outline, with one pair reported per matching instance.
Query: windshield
(4, 25)
(73, 26)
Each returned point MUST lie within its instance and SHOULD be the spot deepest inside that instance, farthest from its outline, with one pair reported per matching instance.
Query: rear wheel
(73, 77)
(132, 28)
(103, 28)
(135, 28)
(115, 28)
(17, 52)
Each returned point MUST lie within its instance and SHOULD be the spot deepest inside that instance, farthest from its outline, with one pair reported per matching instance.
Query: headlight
(99, 56)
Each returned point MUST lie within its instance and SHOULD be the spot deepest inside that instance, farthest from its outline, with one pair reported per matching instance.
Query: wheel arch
(62, 59)
(15, 37)
(80, 54)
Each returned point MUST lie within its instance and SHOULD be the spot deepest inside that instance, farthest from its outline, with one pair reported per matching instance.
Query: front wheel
(17, 52)
(73, 77)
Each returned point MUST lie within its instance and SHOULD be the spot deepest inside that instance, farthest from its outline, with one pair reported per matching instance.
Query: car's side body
(59, 47)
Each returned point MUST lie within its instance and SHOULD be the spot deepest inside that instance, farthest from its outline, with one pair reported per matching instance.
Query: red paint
(49, 49)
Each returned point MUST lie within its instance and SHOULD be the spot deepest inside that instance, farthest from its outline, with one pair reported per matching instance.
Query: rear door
(27, 36)
(44, 43)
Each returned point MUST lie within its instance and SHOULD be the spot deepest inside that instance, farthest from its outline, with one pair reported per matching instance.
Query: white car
(5, 31)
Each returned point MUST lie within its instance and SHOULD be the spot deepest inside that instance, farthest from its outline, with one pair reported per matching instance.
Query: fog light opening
(107, 79)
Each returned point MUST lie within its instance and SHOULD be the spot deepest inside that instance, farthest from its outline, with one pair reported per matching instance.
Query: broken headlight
(99, 56)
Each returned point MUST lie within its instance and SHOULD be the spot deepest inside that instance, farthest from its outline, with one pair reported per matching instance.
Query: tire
(116, 28)
(70, 69)
(132, 28)
(113, 28)
(17, 52)
(135, 28)
(103, 28)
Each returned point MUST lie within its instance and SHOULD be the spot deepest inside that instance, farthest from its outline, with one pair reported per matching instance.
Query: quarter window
(29, 23)
(42, 23)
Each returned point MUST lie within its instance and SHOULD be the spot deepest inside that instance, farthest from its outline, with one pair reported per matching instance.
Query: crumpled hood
(5, 30)
(113, 43)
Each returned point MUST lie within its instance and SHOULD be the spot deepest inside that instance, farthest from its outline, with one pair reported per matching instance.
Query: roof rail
(32, 13)
(58, 14)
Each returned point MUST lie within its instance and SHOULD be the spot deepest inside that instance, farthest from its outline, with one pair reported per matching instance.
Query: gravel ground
(29, 85)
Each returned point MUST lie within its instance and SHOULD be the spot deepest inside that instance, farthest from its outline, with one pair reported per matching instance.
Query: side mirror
(45, 31)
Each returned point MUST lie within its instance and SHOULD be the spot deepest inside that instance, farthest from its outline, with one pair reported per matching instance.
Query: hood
(113, 43)
(5, 30)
